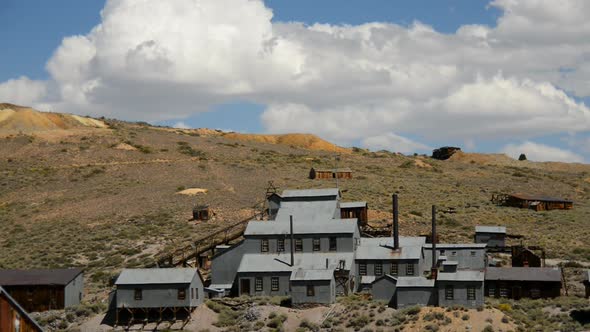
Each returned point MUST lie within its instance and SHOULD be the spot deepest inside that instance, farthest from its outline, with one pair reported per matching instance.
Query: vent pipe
(434, 270)
(292, 241)
(395, 223)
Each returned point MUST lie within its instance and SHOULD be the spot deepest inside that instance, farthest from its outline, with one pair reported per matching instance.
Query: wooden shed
(327, 173)
(519, 282)
(357, 210)
(202, 213)
(534, 202)
(41, 290)
(13, 317)
(524, 257)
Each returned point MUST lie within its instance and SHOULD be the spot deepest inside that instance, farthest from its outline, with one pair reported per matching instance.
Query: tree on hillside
(522, 156)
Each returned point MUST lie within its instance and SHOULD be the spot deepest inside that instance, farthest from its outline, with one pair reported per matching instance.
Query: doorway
(244, 286)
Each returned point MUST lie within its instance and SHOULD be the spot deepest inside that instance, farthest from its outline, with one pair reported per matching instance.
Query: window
(274, 283)
(410, 269)
(258, 284)
(181, 293)
(492, 291)
(442, 252)
(192, 293)
(310, 290)
(473, 253)
(503, 291)
(281, 245)
(363, 269)
(316, 245)
(449, 292)
(342, 264)
(394, 269)
(196, 293)
(535, 293)
(137, 294)
(378, 269)
(333, 244)
(298, 245)
(453, 253)
(471, 293)
(264, 245)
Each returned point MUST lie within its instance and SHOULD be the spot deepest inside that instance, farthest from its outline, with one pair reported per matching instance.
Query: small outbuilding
(202, 213)
(359, 210)
(411, 291)
(519, 282)
(537, 202)
(13, 317)
(383, 288)
(313, 286)
(327, 173)
(44, 289)
(460, 287)
(493, 236)
(165, 291)
(525, 257)
(586, 283)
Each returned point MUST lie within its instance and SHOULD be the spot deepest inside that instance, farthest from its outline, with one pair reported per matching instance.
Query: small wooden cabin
(537, 202)
(519, 282)
(202, 213)
(41, 290)
(13, 317)
(357, 210)
(524, 257)
(325, 173)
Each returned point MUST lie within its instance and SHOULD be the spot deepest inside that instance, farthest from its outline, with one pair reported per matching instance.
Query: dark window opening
(316, 245)
(333, 244)
(394, 269)
(378, 269)
(363, 269)
(264, 245)
(449, 292)
(298, 245)
(137, 294)
(471, 293)
(181, 293)
(310, 290)
(281, 245)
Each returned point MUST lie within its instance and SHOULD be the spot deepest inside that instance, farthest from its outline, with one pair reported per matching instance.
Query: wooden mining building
(326, 173)
(534, 202)
(13, 317)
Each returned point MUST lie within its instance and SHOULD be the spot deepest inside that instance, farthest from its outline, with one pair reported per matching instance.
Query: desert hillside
(305, 141)
(107, 199)
(19, 119)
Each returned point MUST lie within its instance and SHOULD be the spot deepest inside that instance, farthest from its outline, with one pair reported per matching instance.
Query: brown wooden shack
(537, 202)
(41, 290)
(519, 282)
(202, 213)
(326, 173)
(357, 210)
(525, 257)
(13, 317)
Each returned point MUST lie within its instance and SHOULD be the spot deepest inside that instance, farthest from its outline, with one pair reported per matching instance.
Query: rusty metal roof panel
(40, 277)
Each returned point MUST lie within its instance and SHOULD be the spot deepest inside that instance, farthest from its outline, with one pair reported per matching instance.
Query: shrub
(309, 326)
(488, 328)
(465, 317)
(505, 307)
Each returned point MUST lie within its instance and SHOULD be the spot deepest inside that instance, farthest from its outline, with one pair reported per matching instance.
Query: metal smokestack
(433, 235)
(395, 223)
(292, 241)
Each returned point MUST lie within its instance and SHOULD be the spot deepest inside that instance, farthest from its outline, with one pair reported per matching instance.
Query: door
(244, 286)
(516, 292)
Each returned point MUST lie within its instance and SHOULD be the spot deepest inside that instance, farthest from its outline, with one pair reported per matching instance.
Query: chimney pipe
(395, 223)
(433, 235)
(326, 263)
(292, 241)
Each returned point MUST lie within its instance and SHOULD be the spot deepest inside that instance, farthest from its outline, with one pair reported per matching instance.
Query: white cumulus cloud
(541, 152)
(393, 142)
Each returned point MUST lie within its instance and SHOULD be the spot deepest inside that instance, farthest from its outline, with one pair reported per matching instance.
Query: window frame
(410, 271)
(310, 290)
(181, 294)
(362, 269)
(298, 244)
(333, 243)
(258, 284)
(471, 293)
(394, 269)
(264, 245)
(449, 292)
(380, 265)
(316, 244)
(280, 245)
(137, 294)
(274, 284)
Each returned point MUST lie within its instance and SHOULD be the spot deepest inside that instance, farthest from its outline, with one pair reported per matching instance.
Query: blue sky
(35, 29)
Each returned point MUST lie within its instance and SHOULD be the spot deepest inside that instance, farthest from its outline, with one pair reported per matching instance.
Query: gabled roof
(352, 205)
(290, 193)
(381, 248)
(330, 226)
(38, 277)
(305, 274)
(552, 274)
(156, 276)
(542, 198)
(461, 275)
(281, 263)
(387, 277)
(490, 229)
(307, 210)
(20, 310)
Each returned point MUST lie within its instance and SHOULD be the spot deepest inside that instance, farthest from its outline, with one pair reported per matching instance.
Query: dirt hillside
(305, 141)
(18, 119)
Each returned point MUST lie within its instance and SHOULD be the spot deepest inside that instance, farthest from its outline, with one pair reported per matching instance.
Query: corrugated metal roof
(290, 193)
(403, 282)
(490, 229)
(305, 274)
(333, 226)
(21, 311)
(367, 279)
(457, 245)
(280, 263)
(381, 248)
(310, 210)
(352, 205)
(542, 198)
(524, 273)
(156, 276)
(38, 277)
(461, 275)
